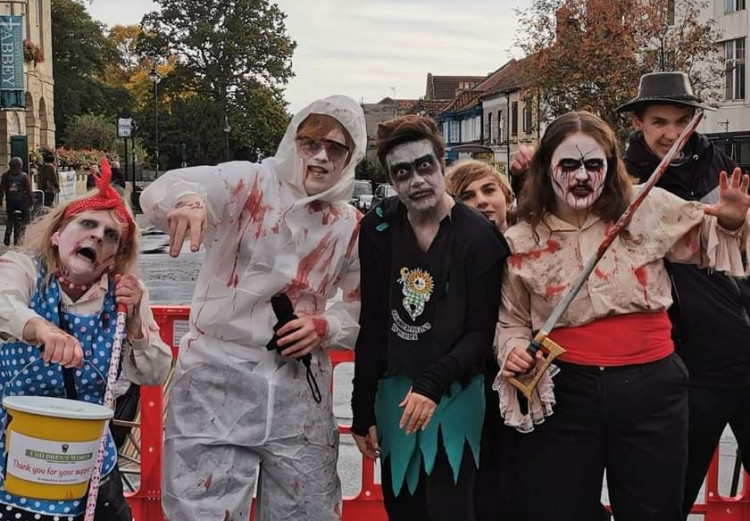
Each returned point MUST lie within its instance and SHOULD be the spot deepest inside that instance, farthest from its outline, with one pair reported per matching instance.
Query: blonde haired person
(479, 185)
(58, 303)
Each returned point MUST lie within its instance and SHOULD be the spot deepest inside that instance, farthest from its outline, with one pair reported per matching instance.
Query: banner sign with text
(11, 53)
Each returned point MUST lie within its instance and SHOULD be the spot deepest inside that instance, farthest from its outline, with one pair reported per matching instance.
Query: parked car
(361, 188)
(365, 202)
(381, 192)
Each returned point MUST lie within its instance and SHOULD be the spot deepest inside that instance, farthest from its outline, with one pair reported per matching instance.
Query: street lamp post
(155, 79)
(227, 129)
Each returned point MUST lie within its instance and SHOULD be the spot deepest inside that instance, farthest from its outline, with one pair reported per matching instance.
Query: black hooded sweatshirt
(710, 314)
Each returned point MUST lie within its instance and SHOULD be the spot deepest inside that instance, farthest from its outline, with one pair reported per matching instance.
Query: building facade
(729, 126)
(24, 129)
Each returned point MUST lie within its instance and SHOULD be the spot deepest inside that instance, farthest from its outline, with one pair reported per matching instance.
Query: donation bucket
(51, 445)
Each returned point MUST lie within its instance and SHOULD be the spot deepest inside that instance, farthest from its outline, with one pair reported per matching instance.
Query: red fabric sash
(635, 338)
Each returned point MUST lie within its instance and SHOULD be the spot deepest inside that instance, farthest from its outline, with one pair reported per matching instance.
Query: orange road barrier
(145, 502)
(367, 505)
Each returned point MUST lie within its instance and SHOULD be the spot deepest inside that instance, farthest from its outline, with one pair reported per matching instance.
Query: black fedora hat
(664, 87)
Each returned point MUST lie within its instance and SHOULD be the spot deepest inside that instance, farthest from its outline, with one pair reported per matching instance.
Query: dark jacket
(710, 320)
(464, 323)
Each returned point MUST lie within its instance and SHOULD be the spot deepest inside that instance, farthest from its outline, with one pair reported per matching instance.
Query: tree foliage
(81, 55)
(231, 59)
(92, 131)
(590, 54)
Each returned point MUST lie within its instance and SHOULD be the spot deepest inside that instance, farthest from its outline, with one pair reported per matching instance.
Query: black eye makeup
(569, 164)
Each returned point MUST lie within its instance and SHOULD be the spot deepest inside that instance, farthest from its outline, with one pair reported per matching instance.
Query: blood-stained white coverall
(235, 406)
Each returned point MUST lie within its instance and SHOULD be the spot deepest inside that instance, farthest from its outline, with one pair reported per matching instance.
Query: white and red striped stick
(109, 400)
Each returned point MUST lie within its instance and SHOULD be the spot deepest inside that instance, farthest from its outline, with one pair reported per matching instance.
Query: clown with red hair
(59, 294)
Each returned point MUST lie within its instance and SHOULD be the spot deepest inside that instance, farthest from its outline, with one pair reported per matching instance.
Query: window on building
(527, 119)
(489, 133)
(734, 61)
(454, 138)
(499, 127)
(731, 6)
(514, 118)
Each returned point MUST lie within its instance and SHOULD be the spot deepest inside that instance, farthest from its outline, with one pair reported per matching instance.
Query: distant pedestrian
(49, 181)
(118, 176)
(90, 179)
(15, 189)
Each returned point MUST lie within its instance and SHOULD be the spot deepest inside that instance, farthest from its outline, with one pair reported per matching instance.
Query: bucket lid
(57, 407)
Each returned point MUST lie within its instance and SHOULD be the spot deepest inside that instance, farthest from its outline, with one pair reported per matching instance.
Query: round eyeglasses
(310, 147)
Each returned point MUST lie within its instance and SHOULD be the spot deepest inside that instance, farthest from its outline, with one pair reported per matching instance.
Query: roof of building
(507, 78)
(445, 87)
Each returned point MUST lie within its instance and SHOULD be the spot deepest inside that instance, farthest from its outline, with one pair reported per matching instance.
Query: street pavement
(171, 281)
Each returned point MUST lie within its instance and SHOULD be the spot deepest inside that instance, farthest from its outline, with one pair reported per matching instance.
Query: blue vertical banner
(11, 62)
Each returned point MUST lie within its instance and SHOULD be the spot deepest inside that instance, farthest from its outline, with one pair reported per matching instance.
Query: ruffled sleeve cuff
(540, 406)
(724, 248)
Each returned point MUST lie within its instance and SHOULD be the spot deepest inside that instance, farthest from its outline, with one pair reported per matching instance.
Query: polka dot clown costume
(58, 309)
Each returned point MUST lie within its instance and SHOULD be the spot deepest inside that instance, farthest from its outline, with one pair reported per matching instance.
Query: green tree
(81, 53)
(91, 131)
(590, 54)
(235, 57)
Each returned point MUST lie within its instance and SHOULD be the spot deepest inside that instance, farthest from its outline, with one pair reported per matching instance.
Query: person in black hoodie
(711, 328)
(430, 291)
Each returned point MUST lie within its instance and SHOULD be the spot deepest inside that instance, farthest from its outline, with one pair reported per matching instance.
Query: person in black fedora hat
(710, 324)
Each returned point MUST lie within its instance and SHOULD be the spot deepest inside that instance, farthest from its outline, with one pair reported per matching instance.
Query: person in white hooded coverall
(237, 411)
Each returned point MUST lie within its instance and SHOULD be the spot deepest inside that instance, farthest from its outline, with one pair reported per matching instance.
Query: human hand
(368, 445)
(128, 292)
(417, 413)
(187, 217)
(731, 209)
(519, 362)
(521, 160)
(300, 336)
(58, 347)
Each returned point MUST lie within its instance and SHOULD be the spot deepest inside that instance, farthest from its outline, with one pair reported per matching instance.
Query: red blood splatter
(295, 486)
(309, 261)
(554, 290)
(551, 247)
(642, 277)
(239, 188)
(233, 277)
(207, 482)
(690, 242)
(275, 229)
(353, 294)
(321, 326)
(255, 207)
(315, 206)
(601, 275)
(352, 241)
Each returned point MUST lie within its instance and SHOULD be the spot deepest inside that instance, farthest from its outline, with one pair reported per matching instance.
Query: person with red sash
(620, 392)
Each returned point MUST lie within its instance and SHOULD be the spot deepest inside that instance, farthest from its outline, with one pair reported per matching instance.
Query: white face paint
(323, 161)
(578, 170)
(86, 246)
(417, 175)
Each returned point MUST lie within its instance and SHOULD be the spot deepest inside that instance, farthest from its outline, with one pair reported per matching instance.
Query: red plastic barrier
(145, 502)
(367, 505)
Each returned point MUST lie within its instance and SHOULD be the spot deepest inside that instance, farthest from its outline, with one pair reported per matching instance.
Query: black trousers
(13, 223)
(631, 421)
(497, 496)
(436, 498)
(710, 411)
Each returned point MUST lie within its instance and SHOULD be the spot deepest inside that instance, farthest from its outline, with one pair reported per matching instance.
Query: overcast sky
(369, 49)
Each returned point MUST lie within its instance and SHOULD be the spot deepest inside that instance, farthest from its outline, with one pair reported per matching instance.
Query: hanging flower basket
(32, 52)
